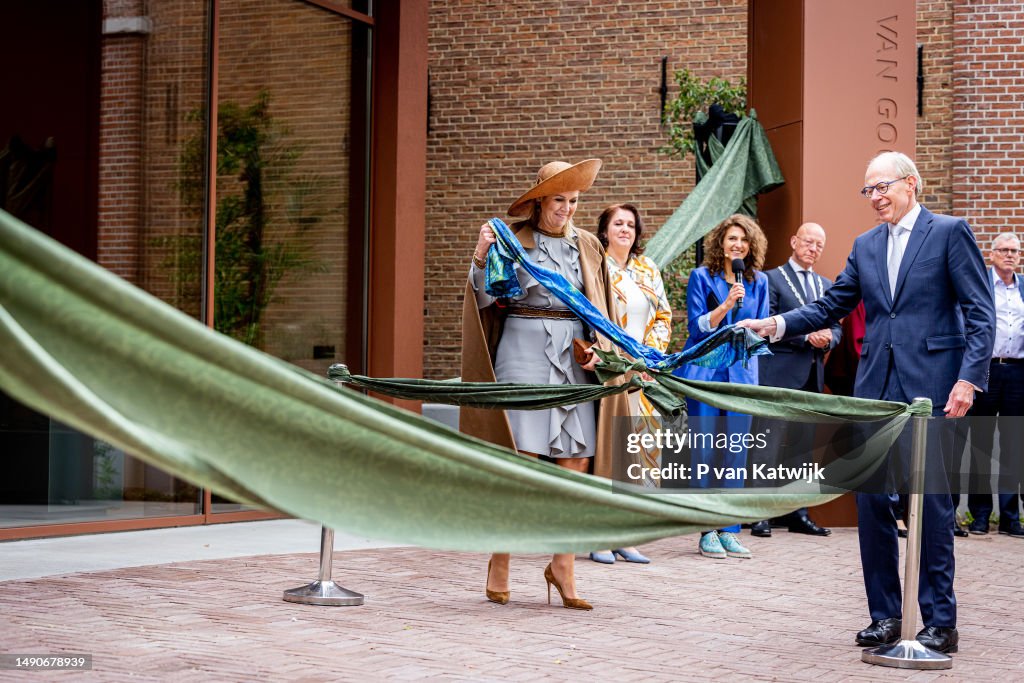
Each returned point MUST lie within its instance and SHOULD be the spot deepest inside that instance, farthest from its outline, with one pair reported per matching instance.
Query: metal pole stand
(908, 653)
(324, 591)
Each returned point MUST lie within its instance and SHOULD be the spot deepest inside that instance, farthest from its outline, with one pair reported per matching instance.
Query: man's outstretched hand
(765, 327)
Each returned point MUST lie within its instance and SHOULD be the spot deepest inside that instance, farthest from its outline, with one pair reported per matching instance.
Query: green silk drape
(91, 350)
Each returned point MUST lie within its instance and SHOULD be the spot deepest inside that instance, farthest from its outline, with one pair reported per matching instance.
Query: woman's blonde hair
(714, 254)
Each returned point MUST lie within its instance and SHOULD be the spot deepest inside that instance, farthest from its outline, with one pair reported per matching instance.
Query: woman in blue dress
(712, 296)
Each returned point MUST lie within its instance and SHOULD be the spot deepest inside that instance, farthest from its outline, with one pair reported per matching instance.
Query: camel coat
(481, 331)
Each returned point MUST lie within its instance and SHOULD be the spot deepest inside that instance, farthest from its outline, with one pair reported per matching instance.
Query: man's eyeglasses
(882, 187)
(1007, 251)
(807, 242)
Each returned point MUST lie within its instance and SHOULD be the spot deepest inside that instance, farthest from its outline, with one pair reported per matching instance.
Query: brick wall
(120, 145)
(988, 126)
(514, 85)
(580, 79)
(174, 90)
(935, 127)
(301, 55)
(152, 79)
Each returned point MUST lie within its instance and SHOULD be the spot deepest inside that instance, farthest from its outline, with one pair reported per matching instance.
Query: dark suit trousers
(1005, 398)
(876, 525)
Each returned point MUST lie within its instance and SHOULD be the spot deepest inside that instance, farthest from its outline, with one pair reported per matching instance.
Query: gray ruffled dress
(536, 350)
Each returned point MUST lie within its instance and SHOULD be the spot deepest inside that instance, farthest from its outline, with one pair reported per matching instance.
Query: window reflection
(123, 178)
(283, 181)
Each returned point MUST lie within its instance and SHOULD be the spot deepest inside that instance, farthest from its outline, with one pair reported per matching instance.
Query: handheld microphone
(738, 266)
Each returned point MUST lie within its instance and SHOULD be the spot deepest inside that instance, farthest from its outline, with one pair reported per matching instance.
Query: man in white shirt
(1004, 398)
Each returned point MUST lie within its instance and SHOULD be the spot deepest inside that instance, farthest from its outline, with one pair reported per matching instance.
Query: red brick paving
(789, 614)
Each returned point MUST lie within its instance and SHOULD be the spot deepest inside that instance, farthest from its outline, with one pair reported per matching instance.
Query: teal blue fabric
(718, 351)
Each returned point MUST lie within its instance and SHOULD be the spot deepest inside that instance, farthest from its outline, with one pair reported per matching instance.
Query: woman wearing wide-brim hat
(529, 340)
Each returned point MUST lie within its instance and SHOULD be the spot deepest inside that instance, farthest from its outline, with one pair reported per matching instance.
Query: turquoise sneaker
(711, 547)
(732, 546)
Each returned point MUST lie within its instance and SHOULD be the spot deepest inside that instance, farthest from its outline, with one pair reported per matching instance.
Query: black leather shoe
(961, 533)
(761, 529)
(979, 527)
(939, 638)
(804, 525)
(1014, 530)
(881, 632)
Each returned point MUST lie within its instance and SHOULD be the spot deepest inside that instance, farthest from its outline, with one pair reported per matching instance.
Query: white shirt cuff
(780, 329)
(976, 387)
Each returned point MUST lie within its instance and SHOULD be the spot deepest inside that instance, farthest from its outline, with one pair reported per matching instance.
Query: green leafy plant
(263, 209)
(695, 96)
(106, 471)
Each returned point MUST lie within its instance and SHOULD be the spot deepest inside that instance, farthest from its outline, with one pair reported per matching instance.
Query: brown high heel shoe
(500, 597)
(571, 603)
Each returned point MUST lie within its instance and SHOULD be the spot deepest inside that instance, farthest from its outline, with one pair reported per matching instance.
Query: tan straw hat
(555, 178)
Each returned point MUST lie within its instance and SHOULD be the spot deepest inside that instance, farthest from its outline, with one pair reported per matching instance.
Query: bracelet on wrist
(479, 262)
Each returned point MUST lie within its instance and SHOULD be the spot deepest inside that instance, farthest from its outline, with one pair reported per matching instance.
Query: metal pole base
(326, 593)
(907, 654)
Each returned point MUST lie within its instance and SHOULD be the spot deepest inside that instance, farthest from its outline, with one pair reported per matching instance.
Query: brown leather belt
(534, 312)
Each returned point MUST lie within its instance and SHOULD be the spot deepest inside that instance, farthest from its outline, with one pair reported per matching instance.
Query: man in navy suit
(930, 322)
(797, 362)
(1004, 398)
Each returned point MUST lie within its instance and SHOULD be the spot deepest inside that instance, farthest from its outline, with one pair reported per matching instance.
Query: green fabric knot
(921, 408)
(339, 372)
(639, 365)
(612, 365)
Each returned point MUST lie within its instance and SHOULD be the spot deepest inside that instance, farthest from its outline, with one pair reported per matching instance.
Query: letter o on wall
(886, 132)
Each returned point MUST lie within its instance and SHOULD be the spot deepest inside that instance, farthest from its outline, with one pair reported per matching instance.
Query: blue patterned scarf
(727, 346)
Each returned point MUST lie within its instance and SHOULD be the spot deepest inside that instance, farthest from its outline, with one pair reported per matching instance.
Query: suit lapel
(922, 227)
(713, 280)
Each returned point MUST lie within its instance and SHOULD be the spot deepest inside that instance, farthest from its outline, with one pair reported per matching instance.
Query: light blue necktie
(895, 255)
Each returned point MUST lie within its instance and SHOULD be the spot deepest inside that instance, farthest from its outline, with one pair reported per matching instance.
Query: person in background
(641, 309)
(796, 363)
(718, 295)
(1003, 404)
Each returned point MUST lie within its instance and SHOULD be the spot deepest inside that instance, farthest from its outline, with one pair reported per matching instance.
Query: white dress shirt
(1009, 318)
